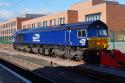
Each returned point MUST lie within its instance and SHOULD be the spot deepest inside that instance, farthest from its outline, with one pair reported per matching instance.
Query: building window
(51, 22)
(14, 29)
(7, 25)
(33, 25)
(13, 24)
(4, 26)
(29, 26)
(11, 31)
(39, 24)
(121, 37)
(5, 31)
(54, 22)
(61, 20)
(8, 31)
(93, 17)
(44, 23)
(24, 26)
(81, 33)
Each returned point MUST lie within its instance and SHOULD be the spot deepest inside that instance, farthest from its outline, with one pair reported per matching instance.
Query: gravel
(37, 64)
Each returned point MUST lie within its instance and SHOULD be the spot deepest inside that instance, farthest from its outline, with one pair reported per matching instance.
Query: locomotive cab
(98, 36)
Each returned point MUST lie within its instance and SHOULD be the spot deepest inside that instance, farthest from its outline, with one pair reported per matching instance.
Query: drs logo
(36, 38)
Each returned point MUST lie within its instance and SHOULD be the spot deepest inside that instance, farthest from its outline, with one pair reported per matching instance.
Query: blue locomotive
(71, 41)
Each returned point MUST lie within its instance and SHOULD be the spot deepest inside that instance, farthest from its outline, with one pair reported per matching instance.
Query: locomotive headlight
(83, 41)
(88, 38)
(98, 43)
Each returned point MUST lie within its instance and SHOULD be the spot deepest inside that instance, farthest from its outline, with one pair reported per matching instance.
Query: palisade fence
(6, 40)
(117, 40)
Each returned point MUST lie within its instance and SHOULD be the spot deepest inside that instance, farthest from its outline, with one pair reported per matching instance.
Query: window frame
(93, 17)
(81, 34)
(45, 23)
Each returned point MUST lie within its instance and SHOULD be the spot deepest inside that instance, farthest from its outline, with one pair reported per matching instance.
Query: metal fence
(117, 40)
(6, 40)
(117, 45)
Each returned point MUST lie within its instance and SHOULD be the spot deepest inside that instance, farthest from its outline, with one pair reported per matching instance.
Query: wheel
(67, 55)
(80, 58)
(41, 51)
(54, 53)
(28, 49)
(35, 50)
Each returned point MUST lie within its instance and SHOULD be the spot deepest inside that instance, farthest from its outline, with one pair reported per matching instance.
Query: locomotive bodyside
(54, 37)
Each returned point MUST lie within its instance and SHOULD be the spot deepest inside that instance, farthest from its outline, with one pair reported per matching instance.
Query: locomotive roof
(73, 25)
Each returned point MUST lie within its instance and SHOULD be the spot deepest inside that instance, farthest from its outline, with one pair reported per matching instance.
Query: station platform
(9, 76)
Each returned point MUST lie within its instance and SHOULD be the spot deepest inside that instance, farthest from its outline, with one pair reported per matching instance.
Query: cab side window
(81, 33)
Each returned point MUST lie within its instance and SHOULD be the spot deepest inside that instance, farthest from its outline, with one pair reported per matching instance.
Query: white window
(33, 25)
(24, 26)
(53, 22)
(92, 17)
(44, 23)
(39, 24)
(61, 20)
(81, 33)
(29, 26)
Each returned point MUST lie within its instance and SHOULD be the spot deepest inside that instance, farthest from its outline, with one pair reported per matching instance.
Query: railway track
(105, 77)
(33, 77)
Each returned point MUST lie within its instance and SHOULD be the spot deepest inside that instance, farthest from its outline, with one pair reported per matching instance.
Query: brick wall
(115, 15)
(72, 16)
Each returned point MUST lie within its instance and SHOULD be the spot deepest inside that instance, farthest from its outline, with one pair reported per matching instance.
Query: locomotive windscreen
(102, 32)
(97, 32)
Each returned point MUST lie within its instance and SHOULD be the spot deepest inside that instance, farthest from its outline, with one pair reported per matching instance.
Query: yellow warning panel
(98, 43)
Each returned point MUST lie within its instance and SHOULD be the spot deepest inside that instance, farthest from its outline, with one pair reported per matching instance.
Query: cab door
(67, 37)
(82, 37)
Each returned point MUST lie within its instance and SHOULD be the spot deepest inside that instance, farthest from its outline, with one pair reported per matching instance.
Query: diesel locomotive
(77, 41)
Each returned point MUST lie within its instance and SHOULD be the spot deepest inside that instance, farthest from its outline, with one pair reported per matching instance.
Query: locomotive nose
(98, 43)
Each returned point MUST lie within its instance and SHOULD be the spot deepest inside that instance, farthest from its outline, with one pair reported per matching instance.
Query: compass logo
(36, 38)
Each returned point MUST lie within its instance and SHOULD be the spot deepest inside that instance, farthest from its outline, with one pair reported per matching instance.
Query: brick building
(69, 16)
(110, 12)
(8, 27)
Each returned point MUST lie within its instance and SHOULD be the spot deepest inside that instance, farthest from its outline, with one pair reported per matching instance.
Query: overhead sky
(13, 8)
